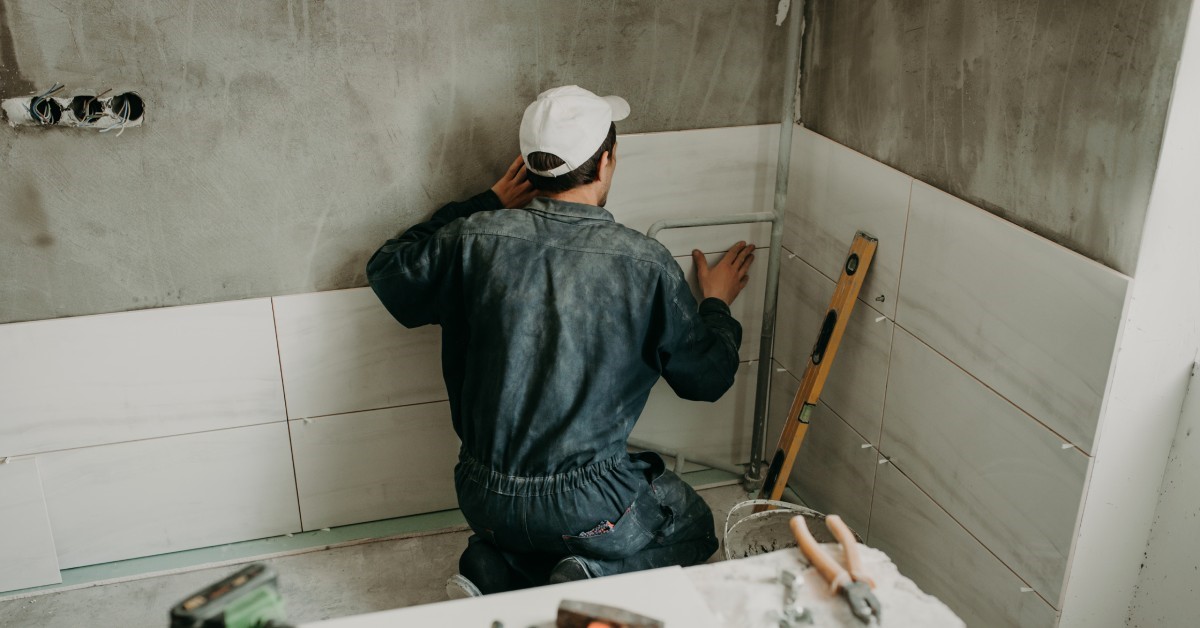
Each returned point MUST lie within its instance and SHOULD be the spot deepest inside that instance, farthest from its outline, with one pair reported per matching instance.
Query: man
(556, 322)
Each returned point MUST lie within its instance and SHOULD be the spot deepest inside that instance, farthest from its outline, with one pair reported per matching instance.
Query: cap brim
(620, 108)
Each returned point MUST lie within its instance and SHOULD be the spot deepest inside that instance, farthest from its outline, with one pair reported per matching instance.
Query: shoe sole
(459, 588)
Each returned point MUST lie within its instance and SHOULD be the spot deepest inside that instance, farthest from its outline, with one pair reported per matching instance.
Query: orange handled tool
(820, 361)
(851, 581)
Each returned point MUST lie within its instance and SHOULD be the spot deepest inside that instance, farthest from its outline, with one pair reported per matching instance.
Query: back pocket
(632, 532)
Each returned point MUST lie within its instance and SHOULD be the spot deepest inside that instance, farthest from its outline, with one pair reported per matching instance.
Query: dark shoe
(484, 566)
(569, 569)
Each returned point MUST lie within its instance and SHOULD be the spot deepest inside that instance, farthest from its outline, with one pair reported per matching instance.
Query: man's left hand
(514, 189)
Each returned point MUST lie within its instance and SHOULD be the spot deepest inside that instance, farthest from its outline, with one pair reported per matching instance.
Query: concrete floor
(362, 578)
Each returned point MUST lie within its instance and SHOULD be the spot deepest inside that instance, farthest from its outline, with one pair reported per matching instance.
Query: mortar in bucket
(749, 533)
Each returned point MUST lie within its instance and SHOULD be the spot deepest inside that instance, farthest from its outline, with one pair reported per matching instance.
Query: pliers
(854, 584)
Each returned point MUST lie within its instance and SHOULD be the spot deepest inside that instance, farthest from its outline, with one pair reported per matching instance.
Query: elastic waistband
(532, 485)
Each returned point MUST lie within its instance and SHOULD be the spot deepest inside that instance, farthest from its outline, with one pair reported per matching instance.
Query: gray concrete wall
(1049, 114)
(286, 140)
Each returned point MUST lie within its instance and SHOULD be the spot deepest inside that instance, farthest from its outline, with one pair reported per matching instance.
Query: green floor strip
(249, 550)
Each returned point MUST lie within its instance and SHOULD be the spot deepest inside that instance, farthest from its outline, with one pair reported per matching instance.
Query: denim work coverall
(556, 322)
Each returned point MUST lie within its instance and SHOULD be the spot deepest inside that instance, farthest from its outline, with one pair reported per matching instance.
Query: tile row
(1014, 484)
(113, 378)
(117, 501)
(94, 380)
(977, 371)
(946, 561)
(352, 463)
(1031, 319)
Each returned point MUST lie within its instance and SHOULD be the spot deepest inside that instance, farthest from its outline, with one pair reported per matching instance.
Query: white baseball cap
(570, 123)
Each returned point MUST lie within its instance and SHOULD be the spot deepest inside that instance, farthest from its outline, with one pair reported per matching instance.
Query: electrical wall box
(87, 111)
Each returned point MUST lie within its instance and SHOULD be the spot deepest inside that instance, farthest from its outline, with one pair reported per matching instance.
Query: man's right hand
(727, 277)
(514, 189)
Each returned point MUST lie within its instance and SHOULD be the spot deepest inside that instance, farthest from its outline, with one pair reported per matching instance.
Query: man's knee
(691, 518)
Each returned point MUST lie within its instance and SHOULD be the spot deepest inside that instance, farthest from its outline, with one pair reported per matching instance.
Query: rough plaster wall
(1049, 114)
(286, 140)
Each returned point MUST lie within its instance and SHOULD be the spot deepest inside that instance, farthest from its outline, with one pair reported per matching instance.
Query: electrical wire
(124, 116)
(34, 102)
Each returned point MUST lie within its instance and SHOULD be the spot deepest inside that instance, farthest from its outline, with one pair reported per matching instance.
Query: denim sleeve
(698, 352)
(406, 272)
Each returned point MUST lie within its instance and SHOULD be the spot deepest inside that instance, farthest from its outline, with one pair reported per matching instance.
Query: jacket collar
(565, 208)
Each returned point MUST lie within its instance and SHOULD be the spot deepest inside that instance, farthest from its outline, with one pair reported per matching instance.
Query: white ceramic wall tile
(697, 173)
(834, 473)
(109, 378)
(858, 378)
(834, 192)
(945, 561)
(27, 555)
(1031, 319)
(164, 495)
(998, 472)
(374, 465)
(747, 309)
(720, 430)
(342, 352)
(779, 402)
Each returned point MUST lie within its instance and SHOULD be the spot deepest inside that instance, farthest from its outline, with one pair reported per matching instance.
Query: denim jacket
(556, 322)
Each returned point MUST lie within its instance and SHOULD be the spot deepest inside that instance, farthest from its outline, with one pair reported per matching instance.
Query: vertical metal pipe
(753, 477)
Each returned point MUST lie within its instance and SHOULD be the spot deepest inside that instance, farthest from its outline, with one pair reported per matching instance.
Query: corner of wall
(1156, 350)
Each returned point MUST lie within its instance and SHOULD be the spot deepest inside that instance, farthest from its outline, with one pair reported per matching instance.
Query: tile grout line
(887, 380)
(286, 415)
(856, 432)
(34, 454)
(996, 392)
(903, 248)
(892, 342)
(372, 409)
(842, 419)
(859, 299)
(973, 537)
(31, 454)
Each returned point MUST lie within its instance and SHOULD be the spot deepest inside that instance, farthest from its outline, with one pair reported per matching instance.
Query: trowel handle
(824, 563)
(854, 564)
